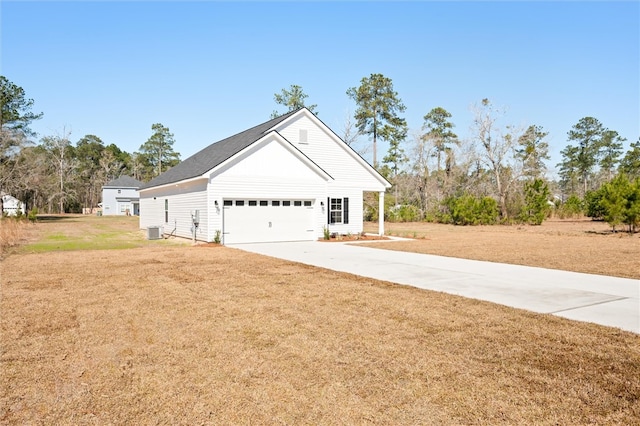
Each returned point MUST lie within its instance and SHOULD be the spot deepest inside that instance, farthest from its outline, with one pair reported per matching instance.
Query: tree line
(499, 174)
(56, 175)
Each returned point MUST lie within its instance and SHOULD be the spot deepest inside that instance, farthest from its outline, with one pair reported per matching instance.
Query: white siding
(332, 155)
(351, 177)
(355, 225)
(183, 200)
(11, 205)
(110, 204)
(270, 172)
(271, 169)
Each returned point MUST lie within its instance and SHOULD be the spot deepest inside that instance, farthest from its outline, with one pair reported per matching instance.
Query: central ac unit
(153, 233)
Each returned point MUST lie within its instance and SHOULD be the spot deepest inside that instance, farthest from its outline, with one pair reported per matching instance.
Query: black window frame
(333, 210)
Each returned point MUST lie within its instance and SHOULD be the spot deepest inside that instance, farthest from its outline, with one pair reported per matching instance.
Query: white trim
(176, 183)
(381, 214)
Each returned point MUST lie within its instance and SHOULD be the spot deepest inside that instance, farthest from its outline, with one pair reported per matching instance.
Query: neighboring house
(284, 180)
(120, 197)
(11, 205)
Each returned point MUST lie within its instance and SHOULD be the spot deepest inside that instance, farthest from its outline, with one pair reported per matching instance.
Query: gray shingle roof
(215, 154)
(125, 182)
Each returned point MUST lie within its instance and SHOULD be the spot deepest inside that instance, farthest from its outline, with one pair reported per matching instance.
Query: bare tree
(496, 150)
(63, 165)
(422, 150)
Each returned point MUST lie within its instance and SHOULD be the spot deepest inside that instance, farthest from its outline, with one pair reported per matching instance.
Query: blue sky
(209, 69)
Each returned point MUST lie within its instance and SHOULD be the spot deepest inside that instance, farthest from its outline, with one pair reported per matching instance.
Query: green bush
(573, 207)
(216, 236)
(621, 202)
(593, 204)
(469, 210)
(536, 202)
(32, 215)
(404, 213)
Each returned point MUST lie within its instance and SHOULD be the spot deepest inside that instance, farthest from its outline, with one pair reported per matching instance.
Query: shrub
(536, 202)
(593, 204)
(216, 236)
(621, 202)
(573, 207)
(32, 215)
(404, 213)
(469, 210)
(326, 233)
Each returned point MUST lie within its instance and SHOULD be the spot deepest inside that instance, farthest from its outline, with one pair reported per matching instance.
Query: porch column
(381, 214)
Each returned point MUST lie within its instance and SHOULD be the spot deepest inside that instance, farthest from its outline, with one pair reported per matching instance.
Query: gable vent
(303, 136)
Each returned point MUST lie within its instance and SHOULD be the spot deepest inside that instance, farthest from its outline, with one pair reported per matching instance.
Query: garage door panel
(271, 223)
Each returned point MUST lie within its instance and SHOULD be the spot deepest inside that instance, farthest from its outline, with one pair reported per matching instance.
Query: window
(335, 210)
(264, 203)
(297, 203)
(338, 210)
(166, 210)
(227, 203)
(239, 202)
(275, 203)
(253, 203)
(307, 203)
(286, 203)
(119, 191)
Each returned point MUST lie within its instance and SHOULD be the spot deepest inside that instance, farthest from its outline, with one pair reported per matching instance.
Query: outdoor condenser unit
(153, 233)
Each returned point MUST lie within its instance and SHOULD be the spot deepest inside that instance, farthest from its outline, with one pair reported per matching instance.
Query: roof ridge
(217, 152)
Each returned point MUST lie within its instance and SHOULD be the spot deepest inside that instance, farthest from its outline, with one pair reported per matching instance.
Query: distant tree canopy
(15, 118)
(15, 107)
(498, 174)
(293, 99)
(378, 109)
(158, 149)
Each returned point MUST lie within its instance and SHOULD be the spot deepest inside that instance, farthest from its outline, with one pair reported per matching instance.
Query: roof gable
(246, 163)
(215, 154)
(124, 182)
(304, 113)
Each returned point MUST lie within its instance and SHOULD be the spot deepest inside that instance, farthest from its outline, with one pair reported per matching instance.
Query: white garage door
(252, 221)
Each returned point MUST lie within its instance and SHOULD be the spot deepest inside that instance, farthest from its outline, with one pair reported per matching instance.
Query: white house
(11, 205)
(283, 180)
(120, 197)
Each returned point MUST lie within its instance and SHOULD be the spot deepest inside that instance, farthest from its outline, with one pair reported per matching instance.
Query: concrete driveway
(599, 299)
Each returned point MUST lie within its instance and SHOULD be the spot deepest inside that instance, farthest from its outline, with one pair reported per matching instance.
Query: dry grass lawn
(190, 335)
